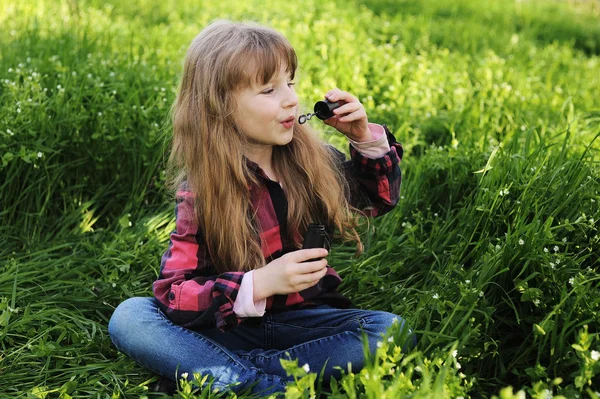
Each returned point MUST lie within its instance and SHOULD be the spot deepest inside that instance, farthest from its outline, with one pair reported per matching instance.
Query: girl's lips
(288, 124)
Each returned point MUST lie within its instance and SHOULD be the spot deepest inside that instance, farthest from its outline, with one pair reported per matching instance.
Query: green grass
(491, 254)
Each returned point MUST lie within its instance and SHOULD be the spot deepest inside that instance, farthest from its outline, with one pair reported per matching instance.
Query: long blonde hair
(207, 149)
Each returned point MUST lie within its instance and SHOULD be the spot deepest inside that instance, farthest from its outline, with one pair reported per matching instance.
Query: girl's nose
(291, 99)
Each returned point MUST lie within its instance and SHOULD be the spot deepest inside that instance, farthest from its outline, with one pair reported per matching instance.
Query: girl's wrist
(260, 290)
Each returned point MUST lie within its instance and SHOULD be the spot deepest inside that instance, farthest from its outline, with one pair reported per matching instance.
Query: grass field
(492, 253)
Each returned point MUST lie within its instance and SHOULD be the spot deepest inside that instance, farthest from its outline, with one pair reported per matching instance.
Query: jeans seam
(360, 320)
(283, 351)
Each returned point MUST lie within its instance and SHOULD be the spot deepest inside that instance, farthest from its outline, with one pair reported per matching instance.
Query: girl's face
(262, 109)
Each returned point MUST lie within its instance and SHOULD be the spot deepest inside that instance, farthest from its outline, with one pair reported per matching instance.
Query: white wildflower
(39, 154)
(395, 320)
(498, 247)
(184, 375)
(306, 367)
(458, 366)
(551, 265)
(18, 110)
(572, 280)
(591, 220)
(564, 239)
(391, 339)
(481, 294)
(521, 242)
(467, 281)
(379, 344)
(454, 353)
(536, 302)
(555, 248)
(545, 250)
(435, 296)
(595, 355)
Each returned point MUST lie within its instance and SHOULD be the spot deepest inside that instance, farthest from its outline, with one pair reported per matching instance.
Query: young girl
(235, 293)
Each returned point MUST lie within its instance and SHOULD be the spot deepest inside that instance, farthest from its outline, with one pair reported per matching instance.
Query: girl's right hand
(288, 273)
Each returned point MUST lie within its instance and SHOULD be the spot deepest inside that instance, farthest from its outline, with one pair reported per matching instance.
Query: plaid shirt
(194, 295)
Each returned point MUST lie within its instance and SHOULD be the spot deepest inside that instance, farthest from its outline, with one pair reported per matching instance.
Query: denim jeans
(250, 353)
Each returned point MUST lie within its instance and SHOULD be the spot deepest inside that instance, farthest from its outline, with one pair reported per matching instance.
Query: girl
(235, 293)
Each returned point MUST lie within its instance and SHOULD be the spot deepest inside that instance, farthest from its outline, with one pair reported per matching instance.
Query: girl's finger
(312, 278)
(342, 95)
(347, 108)
(354, 116)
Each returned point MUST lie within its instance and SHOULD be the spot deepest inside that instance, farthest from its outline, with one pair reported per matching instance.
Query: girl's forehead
(258, 75)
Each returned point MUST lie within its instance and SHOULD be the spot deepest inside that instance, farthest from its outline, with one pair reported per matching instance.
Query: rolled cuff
(375, 148)
(244, 305)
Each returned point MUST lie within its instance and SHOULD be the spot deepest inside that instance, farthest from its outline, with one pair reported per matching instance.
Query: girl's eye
(268, 91)
(291, 84)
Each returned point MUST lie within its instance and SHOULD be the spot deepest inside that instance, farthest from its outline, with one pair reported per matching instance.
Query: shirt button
(171, 296)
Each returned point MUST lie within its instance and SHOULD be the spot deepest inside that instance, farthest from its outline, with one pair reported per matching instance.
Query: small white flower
(111, 74)
(595, 355)
(536, 302)
(572, 280)
(435, 214)
(59, 87)
(555, 248)
(498, 247)
(130, 224)
(403, 224)
(481, 294)
(458, 366)
(379, 344)
(435, 296)
(306, 367)
(18, 110)
(558, 261)
(467, 281)
(522, 127)
(39, 154)
(551, 265)
(592, 220)
(395, 320)
(545, 250)
(391, 339)
(89, 75)
(521, 242)
(184, 375)
(564, 239)
(454, 353)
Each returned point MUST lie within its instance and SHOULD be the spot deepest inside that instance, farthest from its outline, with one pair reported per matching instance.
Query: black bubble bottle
(323, 110)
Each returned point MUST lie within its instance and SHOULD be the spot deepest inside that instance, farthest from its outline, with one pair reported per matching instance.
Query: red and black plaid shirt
(194, 295)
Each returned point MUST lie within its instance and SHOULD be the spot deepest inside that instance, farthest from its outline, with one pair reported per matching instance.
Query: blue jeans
(249, 353)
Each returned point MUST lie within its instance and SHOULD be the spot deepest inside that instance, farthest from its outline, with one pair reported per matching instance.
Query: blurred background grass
(494, 244)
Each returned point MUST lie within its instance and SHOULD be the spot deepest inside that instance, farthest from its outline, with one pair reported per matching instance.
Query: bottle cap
(324, 109)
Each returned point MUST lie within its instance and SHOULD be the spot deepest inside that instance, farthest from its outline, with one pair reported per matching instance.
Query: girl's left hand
(350, 118)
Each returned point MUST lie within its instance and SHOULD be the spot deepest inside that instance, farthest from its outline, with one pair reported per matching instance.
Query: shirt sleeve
(375, 148)
(374, 183)
(190, 293)
(244, 305)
